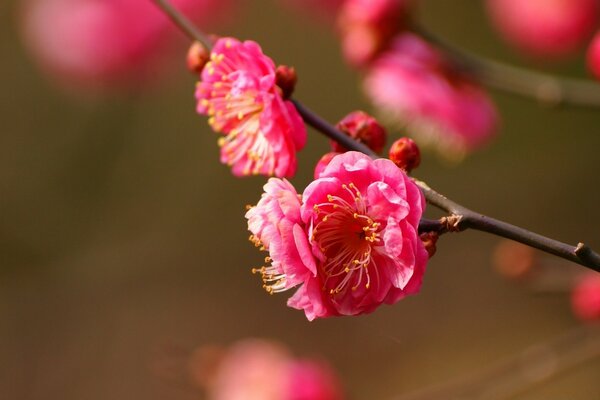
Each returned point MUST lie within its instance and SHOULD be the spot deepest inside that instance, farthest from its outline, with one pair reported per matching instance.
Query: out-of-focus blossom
(255, 369)
(99, 43)
(415, 87)
(515, 261)
(237, 90)
(323, 162)
(352, 242)
(363, 128)
(585, 298)
(405, 154)
(545, 27)
(366, 26)
(197, 57)
(593, 56)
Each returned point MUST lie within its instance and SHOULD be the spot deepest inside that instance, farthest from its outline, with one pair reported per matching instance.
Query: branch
(545, 88)
(460, 217)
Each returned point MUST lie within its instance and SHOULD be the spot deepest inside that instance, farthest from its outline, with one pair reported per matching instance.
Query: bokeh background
(121, 234)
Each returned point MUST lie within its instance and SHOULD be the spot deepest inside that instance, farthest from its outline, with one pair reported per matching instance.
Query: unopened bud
(405, 154)
(429, 240)
(286, 78)
(324, 162)
(514, 261)
(197, 57)
(585, 298)
(361, 127)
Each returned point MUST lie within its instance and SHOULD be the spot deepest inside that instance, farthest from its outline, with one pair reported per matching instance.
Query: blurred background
(122, 235)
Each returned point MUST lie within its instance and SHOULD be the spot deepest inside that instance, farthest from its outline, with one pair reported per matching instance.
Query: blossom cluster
(349, 243)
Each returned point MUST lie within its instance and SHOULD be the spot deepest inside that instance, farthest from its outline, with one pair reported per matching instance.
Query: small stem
(545, 88)
(460, 217)
(184, 24)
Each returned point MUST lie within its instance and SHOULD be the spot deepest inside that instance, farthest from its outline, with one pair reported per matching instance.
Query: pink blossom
(585, 298)
(364, 128)
(324, 162)
(414, 86)
(255, 369)
(96, 43)
(351, 244)
(262, 132)
(593, 56)
(545, 27)
(366, 26)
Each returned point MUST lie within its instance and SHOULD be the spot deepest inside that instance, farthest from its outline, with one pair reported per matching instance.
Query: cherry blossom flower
(350, 243)
(262, 131)
(545, 27)
(324, 162)
(106, 43)
(415, 87)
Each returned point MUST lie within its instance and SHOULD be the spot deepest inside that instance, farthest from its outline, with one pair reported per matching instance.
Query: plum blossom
(350, 242)
(414, 86)
(545, 28)
(593, 56)
(257, 369)
(106, 43)
(262, 131)
(585, 298)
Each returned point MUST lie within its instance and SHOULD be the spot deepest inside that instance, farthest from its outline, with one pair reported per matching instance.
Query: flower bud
(197, 57)
(362, 127)
(585, 298)
(405, 154)
(323, 162)
(285, 79)
(429, 240)
(593, 56)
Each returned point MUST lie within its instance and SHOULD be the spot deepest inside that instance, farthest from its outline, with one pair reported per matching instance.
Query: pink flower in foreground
(324, 162)
(262, 131)
(351, 241)
(255, 369)
(413, 85)
(96, 43)
(593, 56)
(585, 298)
(545, 27)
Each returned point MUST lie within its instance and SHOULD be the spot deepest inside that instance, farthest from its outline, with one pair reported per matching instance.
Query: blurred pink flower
(585, 298)
(355, 244)
(545, 27)
(366, 26)
(99, 43)
(414, 86)
(593, 56)
(237, 90)
(255, 369)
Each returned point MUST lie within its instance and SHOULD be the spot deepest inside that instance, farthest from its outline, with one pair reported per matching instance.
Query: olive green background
(121, 234)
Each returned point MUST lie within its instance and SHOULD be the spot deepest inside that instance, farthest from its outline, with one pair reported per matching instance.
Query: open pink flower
(255, 369)
(100, 43)
(414, 86)
(352, 243)
(262, 131)
(545, 27)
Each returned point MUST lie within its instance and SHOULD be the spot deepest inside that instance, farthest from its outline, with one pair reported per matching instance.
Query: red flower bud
(593, 56)
(585, 298)
(362, 127)
(197, 57)
(429, 240)
(286, 78)
(405, 154)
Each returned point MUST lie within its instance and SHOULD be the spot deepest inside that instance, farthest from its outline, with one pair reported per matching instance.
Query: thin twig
(460, 217)
(545, 88)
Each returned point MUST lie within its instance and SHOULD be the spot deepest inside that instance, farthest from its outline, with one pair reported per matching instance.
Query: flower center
(346, 236)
